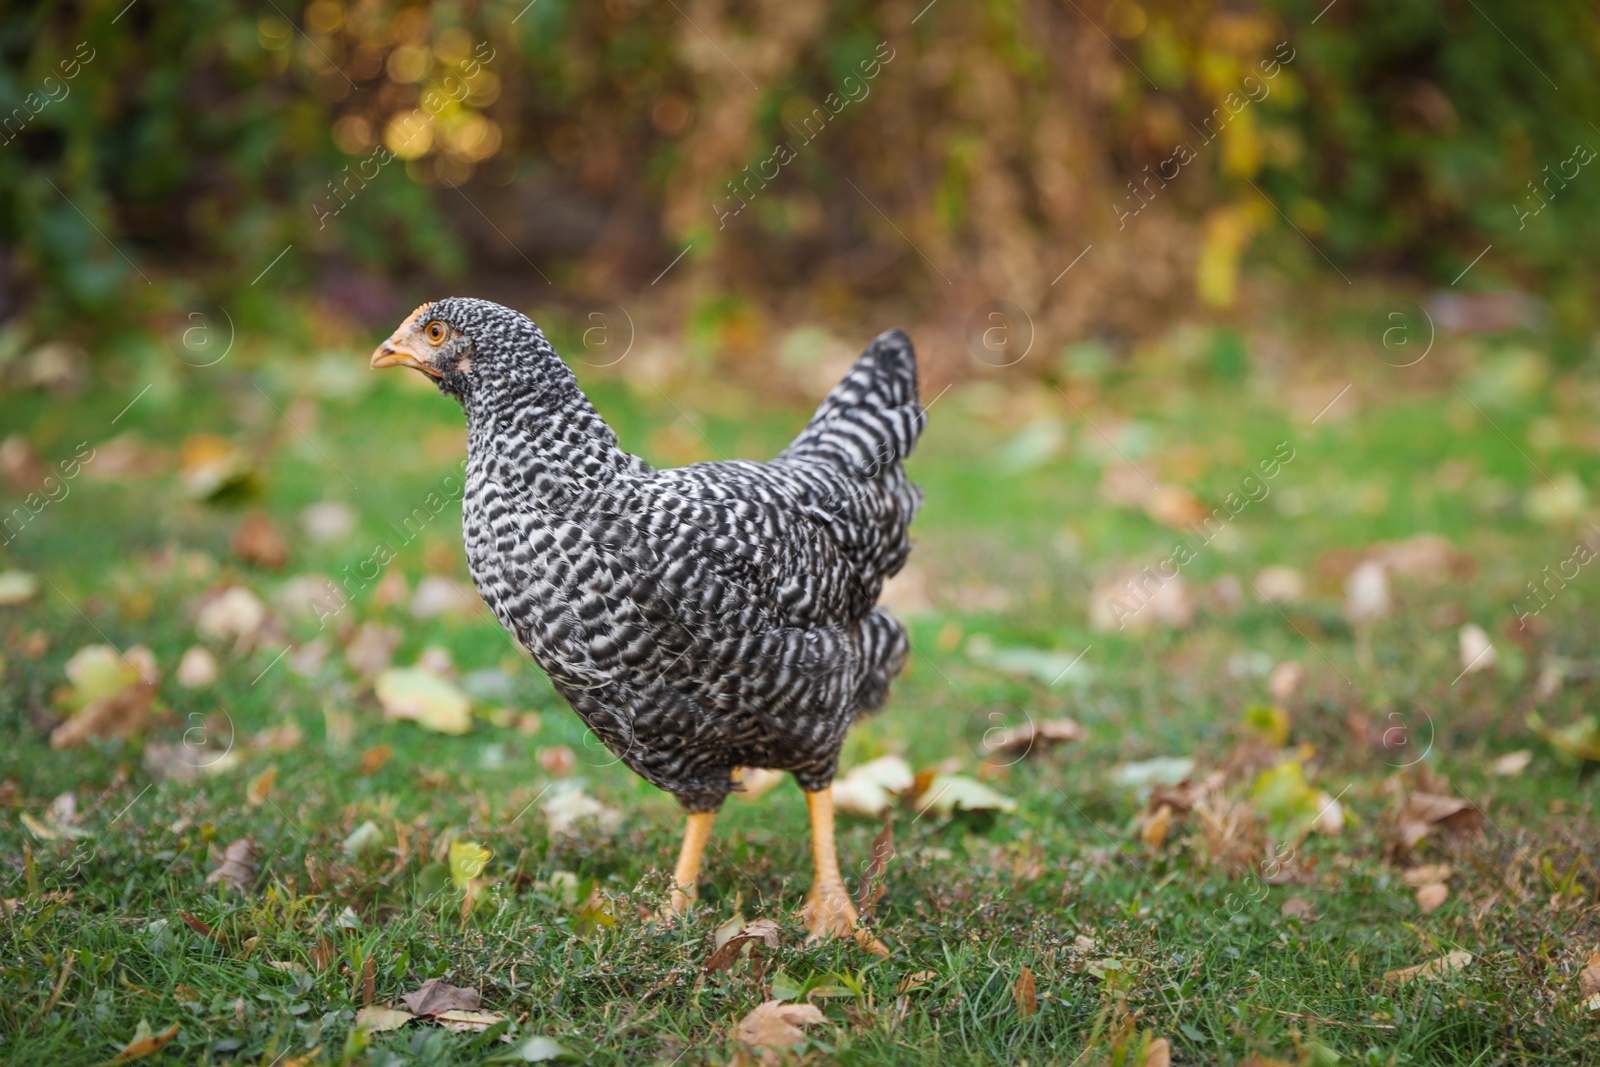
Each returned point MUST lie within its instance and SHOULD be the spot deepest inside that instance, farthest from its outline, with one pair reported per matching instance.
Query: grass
(1123, 938)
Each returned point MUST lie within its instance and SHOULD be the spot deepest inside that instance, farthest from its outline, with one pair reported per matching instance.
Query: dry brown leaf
(373, 759)
(467, 1022)
(1159, 1054)
(145, 1043)
(761, 931)
(1589, 977)
(777, 1025)
(284, 737)
(1437, 968)
(256, 540)
(260, 788)
(434, 996)
(1032, 737)
(557, 761)
(1428, 813)
(1153, 826)
(237, 867)
(370, 648)
(1286, 679)
(915, 980)
(208, 464)
(199, 926)
(1426, 874)
(1512, 763)
(753, 782)
(1026, 994)
(115, 691)
(375, 1019)
(1299, 908)
(1174, 506)
(1431, 897)
(232, 614)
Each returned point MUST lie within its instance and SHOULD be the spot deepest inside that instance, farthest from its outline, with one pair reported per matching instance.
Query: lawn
(1236, 856)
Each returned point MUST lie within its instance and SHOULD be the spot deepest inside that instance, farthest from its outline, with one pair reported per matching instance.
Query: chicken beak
(396, 353)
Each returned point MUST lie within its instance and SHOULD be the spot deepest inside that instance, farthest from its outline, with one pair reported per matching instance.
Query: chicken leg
(686, 875)
(828, 910)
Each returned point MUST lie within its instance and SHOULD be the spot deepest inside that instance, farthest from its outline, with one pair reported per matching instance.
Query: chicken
(701, 618)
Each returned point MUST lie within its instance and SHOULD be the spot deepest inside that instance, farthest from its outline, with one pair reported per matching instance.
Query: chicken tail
(872, 418)
(848, 458)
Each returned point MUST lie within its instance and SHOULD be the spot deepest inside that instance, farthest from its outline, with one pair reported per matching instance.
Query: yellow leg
(828, 910)
(686, 875)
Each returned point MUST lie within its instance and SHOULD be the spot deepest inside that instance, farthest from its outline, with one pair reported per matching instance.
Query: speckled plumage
(700, 618)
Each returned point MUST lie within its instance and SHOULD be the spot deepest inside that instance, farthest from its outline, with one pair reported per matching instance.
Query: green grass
(1199, 949)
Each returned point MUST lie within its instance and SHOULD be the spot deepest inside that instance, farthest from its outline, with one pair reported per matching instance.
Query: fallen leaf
(1428, 813)
(758, 932)
(112, 693)
(1579, 740)
(752, 782)
(467, 861)
(558, 760)
(467, 1022)
(370, 648)
(1031, 737)
(363, 838)
(566, 809)
(424, 698)
(1431, 897)
(1589, 977)
(145, 1042)
(197, 669)
(1144, 774)
(435, 996)
(1436, 968)
(1157, 1054)
(1174, 506)
(948, 793)
(237, 868)
(1366, 595)
(1267, 723)
(375, 1019)
(776, 1025)
(1136, 600)
(17, 587)
(1426, 874)
(1512, 763)
(1026, 994)
(373, 759)
(1153, 826)
(328, 521)
(533, 1050)
(873, 883)
(260, 788)
(1280, 585)
(1477, 653)
(915, 980)
(1286, 679)
(256, 540)
(869, 788)
(233, 614)
(1299, 908)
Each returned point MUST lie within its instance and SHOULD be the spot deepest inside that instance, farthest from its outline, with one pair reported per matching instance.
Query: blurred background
(719, 173)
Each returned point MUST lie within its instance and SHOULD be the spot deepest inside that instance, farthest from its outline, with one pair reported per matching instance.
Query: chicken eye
(435, 332)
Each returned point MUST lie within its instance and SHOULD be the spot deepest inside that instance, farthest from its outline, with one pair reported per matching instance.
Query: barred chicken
(698, 619)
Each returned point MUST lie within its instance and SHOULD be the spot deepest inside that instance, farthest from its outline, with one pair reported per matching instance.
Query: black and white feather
(700, 618)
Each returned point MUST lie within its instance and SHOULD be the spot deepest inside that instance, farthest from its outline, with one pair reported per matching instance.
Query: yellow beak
(396, 353)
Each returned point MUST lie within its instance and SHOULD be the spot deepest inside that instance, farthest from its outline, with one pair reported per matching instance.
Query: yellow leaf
(467, 861)
(424, 698)
(1446, 964)
(144, 1043)
(260, 787)
(375, 1019)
